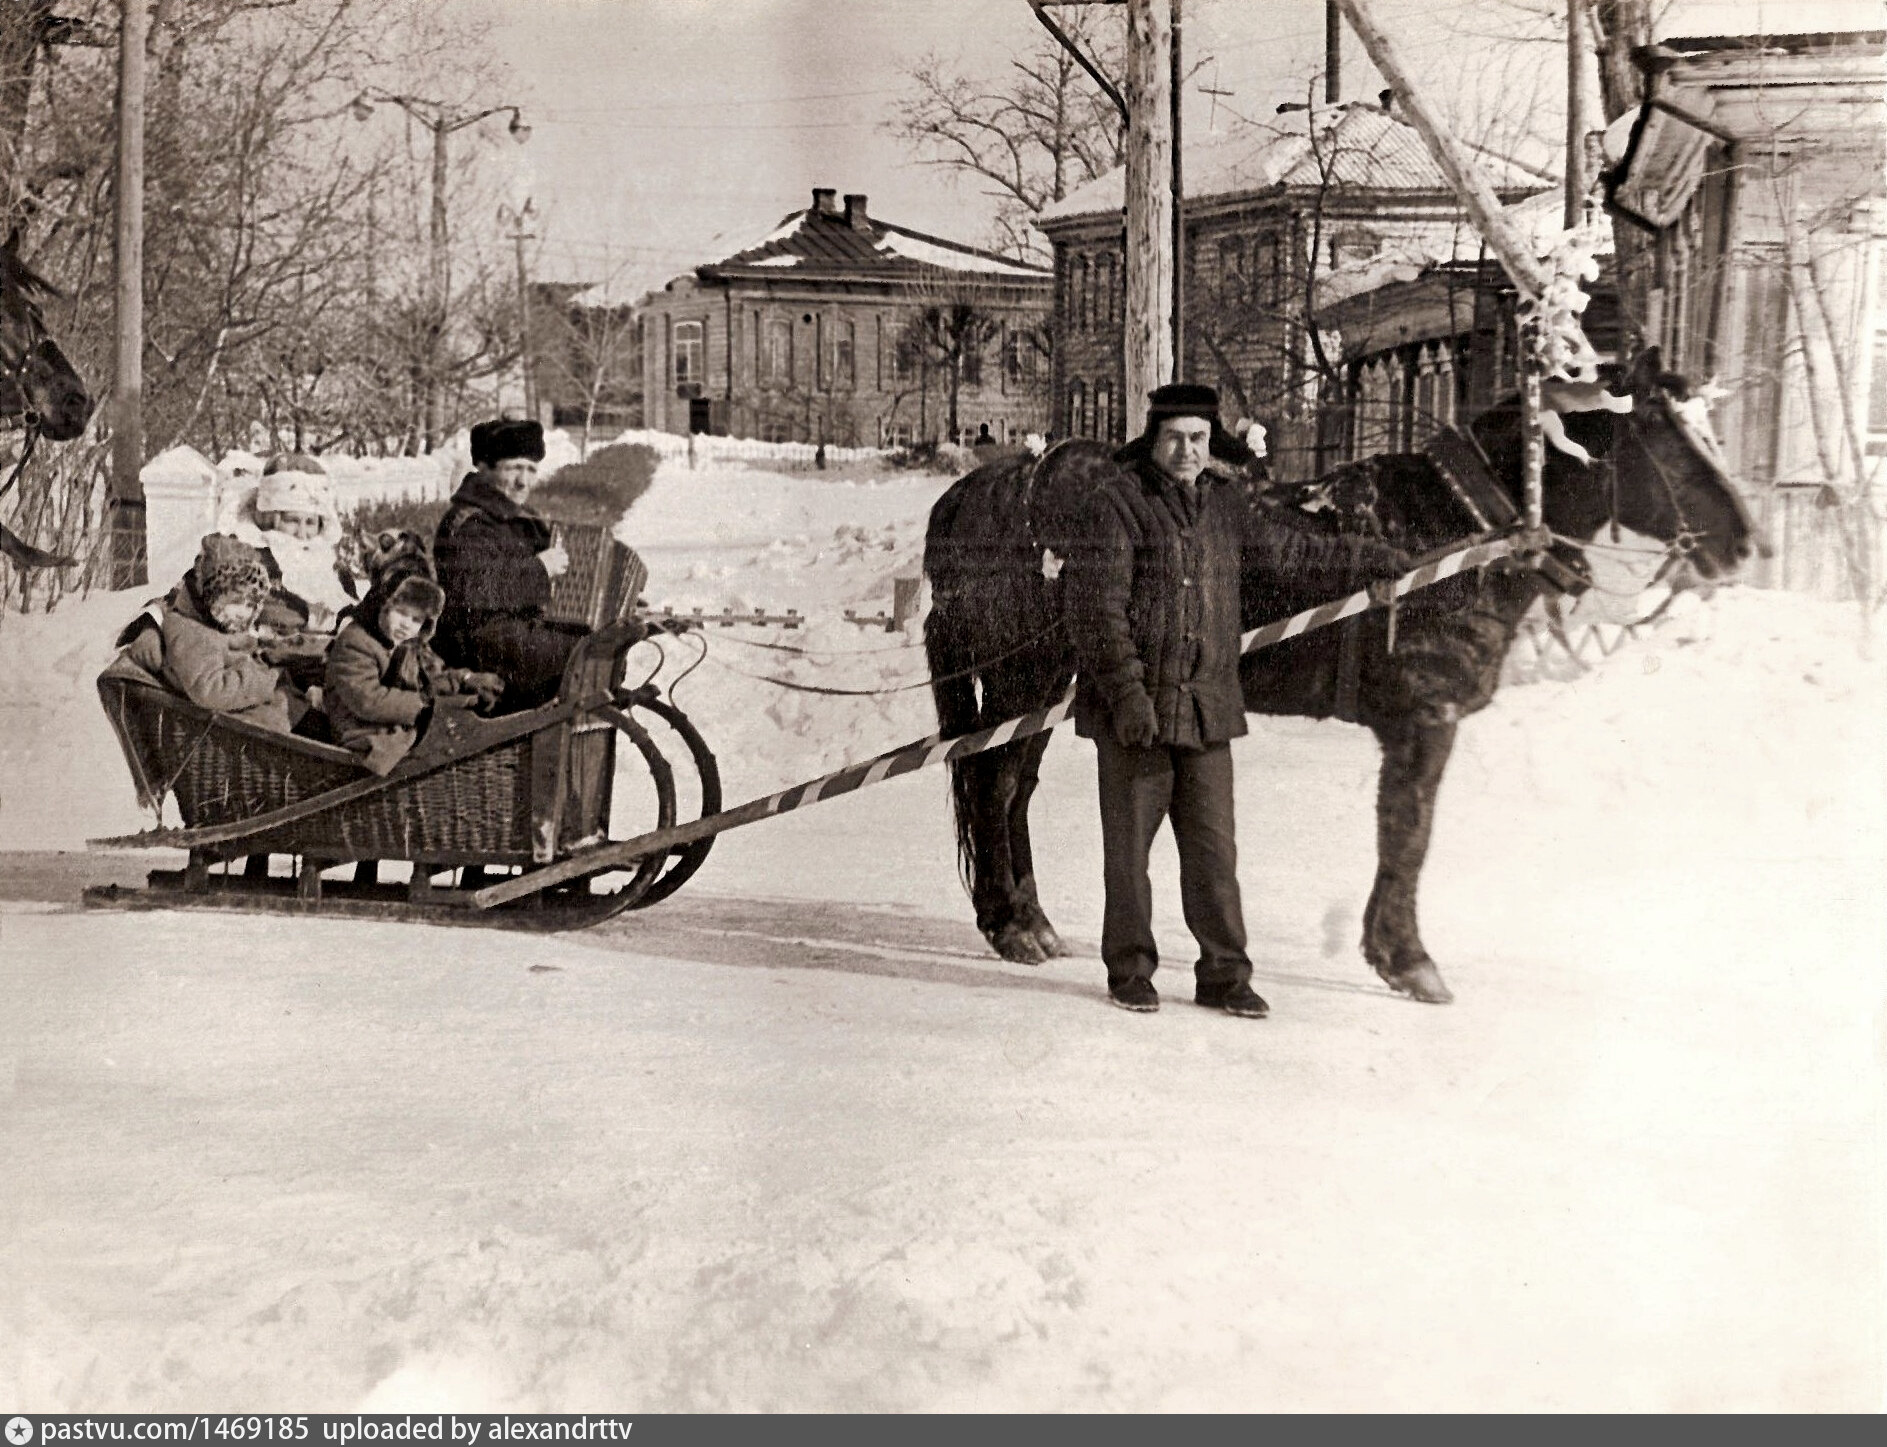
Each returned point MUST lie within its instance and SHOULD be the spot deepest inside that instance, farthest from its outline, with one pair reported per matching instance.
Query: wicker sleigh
(512, 793)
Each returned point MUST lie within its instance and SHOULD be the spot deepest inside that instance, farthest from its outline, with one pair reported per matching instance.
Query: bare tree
(951, 331)
(1030, 136)
(594, 348)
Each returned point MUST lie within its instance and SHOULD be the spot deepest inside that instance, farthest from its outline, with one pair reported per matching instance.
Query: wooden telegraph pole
(1483, 208)
(127, 410)
(1154, 320)
(1148, 342)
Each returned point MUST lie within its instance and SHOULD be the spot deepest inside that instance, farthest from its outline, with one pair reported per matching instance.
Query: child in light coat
(290, 515)
(201, 639)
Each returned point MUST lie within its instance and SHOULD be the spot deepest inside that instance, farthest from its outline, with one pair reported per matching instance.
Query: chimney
(825, 200)
(855, 216)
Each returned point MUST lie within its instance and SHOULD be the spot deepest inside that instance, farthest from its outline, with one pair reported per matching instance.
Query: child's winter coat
(378, 695)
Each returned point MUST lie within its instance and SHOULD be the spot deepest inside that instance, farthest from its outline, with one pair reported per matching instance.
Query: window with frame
(1232, 270)
(1082, 292)
(778, 371)
(972, 358)
(688, 346)
(1104, 411)
(1106, 294)
(1266, 277)
(1077, 409)
(845, 355)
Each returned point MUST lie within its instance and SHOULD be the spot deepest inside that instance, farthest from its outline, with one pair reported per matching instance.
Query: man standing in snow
(1154, 615)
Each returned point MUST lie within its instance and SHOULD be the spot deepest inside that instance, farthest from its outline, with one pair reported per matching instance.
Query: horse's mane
(19, 278)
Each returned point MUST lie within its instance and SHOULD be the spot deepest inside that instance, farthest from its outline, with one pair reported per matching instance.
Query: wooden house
(840, 327)
(1269, 211)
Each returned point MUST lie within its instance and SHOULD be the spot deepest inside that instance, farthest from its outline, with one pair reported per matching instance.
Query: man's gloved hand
(1135, 724)
(487, 688)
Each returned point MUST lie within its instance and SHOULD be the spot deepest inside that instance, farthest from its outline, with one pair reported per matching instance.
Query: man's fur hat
(421, 597)
(1187, 399)
(494, 441)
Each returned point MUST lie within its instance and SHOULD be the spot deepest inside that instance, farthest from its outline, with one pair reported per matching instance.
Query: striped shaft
(926, 752)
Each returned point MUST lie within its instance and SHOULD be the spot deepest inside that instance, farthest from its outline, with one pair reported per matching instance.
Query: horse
(38, 386)
(996, 645)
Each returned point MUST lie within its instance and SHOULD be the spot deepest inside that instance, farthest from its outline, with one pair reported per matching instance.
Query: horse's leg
(1001, 908)
(1029, 909)
(1413, 757)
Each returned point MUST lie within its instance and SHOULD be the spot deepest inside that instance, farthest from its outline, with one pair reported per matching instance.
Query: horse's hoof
(1051, 943)
(1420, 981)
(1018, 946)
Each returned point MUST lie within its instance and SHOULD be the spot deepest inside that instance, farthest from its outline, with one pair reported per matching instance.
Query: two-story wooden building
(1269, 212)
(839, 327)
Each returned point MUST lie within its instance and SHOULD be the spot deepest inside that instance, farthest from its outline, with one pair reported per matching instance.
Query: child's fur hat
(295, 482)
(419, 596)
(227, 567)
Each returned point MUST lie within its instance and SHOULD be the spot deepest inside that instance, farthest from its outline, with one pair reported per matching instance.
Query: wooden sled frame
(515, 793)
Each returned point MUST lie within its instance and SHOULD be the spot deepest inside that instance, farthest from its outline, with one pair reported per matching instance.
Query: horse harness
(1471, 481)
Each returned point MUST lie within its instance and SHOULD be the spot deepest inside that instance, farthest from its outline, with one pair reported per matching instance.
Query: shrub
(600, 490)
(420, 514)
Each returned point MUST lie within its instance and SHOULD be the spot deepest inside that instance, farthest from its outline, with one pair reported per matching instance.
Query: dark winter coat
(1153, 604)
(1154, 594)
(486, 555)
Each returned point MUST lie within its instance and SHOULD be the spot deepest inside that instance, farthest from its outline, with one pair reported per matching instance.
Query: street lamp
(442, 121)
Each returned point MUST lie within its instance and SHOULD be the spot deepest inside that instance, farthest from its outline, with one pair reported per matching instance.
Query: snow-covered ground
(794, 1140)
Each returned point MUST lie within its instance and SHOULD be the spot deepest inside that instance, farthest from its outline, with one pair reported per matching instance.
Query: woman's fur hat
(295, 482)
(494, 441)
(227, 567)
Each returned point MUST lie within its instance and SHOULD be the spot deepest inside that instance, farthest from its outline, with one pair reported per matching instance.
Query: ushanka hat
(419, 596)
(1187, 399)
(295, 482)
(494, 441)
(228, 568)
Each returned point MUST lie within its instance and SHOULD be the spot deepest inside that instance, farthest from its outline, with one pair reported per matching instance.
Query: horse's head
(37, 384)
(1643, 457)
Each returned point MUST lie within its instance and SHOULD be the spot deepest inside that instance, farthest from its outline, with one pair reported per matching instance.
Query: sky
(668, 133)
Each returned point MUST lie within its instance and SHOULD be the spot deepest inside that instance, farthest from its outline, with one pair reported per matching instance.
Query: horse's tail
(948, 650)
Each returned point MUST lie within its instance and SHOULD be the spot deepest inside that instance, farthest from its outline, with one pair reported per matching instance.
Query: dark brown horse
(997, 648)
(39, 388)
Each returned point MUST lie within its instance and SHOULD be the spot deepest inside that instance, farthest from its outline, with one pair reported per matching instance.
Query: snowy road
(754, 1152)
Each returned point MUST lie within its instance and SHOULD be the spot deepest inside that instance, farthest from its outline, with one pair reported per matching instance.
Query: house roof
(825, 242)
(1365, 148)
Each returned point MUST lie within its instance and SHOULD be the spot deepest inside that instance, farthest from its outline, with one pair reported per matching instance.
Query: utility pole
(1333, 53)
(1148, 343)
(518, 237)
(1155, 215)
(442, 122)
(127, 407)
(1179, 200)
(1575, 117)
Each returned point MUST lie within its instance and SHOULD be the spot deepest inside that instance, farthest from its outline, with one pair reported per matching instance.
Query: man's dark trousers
(1139, 789)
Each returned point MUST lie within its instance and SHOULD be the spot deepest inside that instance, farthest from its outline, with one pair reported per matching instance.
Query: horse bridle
(1686, 539)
